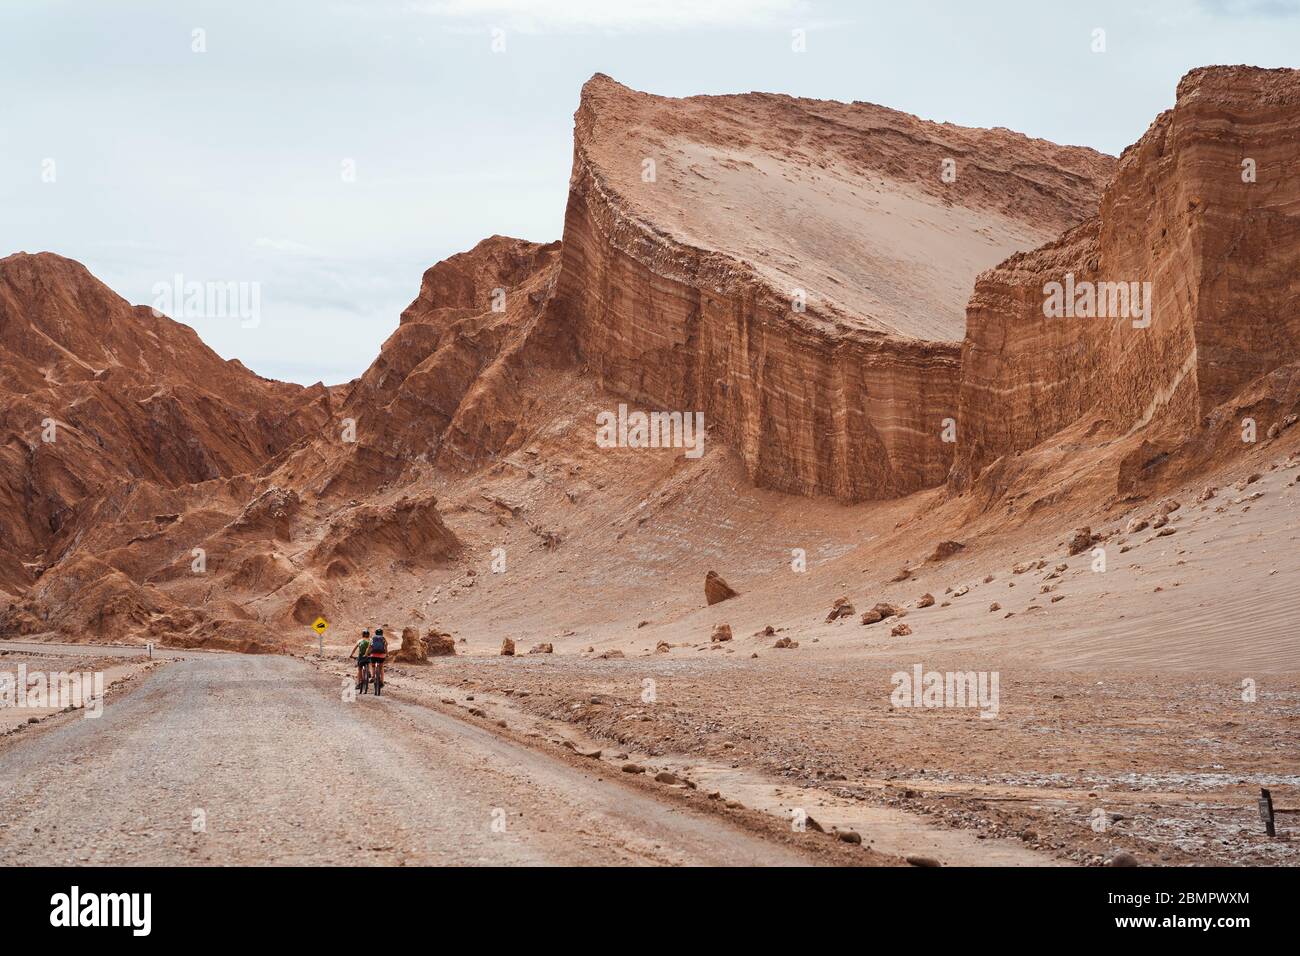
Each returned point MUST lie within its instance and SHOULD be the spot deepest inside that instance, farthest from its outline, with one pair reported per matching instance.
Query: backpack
(379, 644)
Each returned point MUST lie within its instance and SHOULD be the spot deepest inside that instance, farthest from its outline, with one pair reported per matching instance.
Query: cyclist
(362, 653)
(378, 651)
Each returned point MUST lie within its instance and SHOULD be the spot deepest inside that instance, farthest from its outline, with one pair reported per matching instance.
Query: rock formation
(1204, 208)
(800, 272)
(797, 270)
(716, 589)
(412, 650)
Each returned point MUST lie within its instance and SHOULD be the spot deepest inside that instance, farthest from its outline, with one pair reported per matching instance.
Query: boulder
(841, 608)
(412, 650)
(880, 612)
(439, 644)
(542, 649)
(945, 550)
(507, 648)
(716, 589)
(721, 632)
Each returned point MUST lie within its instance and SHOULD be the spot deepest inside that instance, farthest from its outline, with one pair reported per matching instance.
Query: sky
(324, 153)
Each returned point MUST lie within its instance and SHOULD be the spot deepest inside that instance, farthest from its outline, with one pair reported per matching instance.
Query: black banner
(214, 905)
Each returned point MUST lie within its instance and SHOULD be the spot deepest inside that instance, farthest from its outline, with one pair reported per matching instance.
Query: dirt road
(230, 759)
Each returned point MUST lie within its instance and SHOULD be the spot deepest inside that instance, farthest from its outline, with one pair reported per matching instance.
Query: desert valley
(913, 482)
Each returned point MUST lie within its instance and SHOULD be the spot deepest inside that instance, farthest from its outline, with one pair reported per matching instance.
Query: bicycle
(363, 685)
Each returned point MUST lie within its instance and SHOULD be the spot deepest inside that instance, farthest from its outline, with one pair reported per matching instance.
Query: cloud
(584, 16)
(1249, 9)
(287, 246)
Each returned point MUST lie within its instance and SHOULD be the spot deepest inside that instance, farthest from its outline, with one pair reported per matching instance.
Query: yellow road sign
(319, 625)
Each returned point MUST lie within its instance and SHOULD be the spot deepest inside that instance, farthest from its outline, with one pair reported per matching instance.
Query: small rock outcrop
(412, 650)
(717, 590)
(882, 611)
(841, 608)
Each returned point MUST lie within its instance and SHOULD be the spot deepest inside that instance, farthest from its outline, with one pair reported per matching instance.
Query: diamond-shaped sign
(319, 625)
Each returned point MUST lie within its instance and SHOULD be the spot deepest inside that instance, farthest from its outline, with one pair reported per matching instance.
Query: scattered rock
(926, 600)
(668, 777)
(841, 608)
(880, 612)
(542, 649)
(945, 550)
(633, 768)
(922, 861)
(721, 633)
(439, 644)
(1123, 858)
(900, 630)
(995, 606)
(663, 647)
(412, 650)
(716, 589)
(1081, 540)
(507, 648)
(786, 643)
(849, 836)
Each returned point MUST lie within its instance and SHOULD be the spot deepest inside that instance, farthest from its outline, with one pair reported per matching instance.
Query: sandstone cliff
(1205, 208)
(694, 227)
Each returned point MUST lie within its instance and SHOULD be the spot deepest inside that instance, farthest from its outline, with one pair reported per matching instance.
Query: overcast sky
(124, 148)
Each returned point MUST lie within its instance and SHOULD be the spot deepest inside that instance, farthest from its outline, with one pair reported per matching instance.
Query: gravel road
(232, 759)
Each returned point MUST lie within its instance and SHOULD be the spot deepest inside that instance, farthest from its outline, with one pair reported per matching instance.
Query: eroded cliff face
(797, 270)
(1206, 209)
(97, 392)
(449, 385)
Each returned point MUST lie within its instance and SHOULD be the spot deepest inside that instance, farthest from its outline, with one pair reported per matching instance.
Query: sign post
(319, 626)
(1266, 811)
